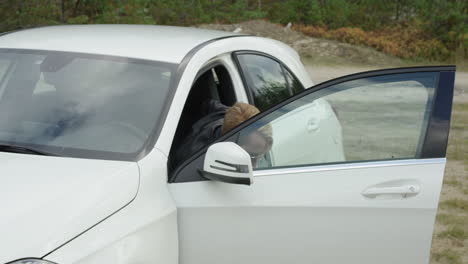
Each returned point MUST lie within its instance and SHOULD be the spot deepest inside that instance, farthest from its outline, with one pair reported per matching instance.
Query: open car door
(353, 175)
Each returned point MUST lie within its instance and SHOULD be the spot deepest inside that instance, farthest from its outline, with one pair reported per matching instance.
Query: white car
(90, 117)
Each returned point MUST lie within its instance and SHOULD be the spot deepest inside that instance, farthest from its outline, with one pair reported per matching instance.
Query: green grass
(451, 219)
(460, 107)
(453, 215)
(454, 183)
(458, 141)
(465, 191)
(454, 232)
(448, 256)
(455, 204)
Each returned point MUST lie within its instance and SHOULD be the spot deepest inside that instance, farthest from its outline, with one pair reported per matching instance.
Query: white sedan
(90, 118)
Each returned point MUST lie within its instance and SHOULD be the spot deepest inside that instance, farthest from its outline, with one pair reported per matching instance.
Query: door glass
(375, 118)
(265, 78)
(294, 83)
(4, 64)
(4, 67)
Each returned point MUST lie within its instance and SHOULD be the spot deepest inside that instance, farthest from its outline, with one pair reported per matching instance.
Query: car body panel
(145, 231)
(46, 201)
(158, 43)
(316, 215)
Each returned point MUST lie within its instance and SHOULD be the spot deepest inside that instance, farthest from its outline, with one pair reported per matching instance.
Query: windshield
(80, 105)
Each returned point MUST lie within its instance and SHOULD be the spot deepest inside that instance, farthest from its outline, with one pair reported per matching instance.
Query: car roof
(158, 43)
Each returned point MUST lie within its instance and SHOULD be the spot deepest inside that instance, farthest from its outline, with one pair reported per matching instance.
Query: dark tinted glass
(296, 86)
(265, 78)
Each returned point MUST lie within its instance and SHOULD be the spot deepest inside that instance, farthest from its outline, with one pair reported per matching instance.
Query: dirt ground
(325, 59)
(319, 50)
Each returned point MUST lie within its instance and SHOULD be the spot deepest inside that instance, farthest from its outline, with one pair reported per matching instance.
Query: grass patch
(454, 183)
(404, 41)
(455, 204)
(444, 218)
(457, 125)
(456, 151)
(450, 219)
(465, 191)
(447, 256)
(454, 232)
(460, 107)
(458, 142)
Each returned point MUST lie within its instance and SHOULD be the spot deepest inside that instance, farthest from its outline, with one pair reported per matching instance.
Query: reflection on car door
(267, 80)
(361, 185)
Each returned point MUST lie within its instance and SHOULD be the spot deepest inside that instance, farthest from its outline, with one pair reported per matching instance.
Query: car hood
(46, 201)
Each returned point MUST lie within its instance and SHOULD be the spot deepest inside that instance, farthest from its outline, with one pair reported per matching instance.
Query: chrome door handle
(405, 191)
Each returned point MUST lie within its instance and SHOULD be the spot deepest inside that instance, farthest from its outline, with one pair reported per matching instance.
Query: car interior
(213, 82)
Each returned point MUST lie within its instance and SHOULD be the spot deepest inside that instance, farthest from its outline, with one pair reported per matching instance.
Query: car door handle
(404, 191)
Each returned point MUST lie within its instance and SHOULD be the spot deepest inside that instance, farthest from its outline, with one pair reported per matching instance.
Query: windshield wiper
(24, 150)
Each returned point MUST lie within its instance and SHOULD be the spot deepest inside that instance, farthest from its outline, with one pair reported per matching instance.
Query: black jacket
(203, 132)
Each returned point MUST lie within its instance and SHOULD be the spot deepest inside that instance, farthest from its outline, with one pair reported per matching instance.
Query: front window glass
(80, 105)
(376, 118)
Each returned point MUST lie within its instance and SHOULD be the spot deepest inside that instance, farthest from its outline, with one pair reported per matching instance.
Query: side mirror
(228, 162)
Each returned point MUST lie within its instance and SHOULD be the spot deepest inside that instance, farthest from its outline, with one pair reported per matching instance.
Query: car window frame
(435, 139)
(248, 89)
(204, 69)
(213, 64)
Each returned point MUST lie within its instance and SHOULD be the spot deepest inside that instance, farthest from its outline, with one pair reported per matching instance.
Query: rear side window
(268, 81)
(294, 83)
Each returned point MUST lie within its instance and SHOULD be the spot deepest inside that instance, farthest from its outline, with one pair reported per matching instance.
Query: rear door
(353, 176)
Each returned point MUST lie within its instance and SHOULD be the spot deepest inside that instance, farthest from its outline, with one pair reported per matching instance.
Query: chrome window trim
(348, 166)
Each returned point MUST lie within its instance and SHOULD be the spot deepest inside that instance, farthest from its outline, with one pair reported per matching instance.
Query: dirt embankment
(319, 50)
